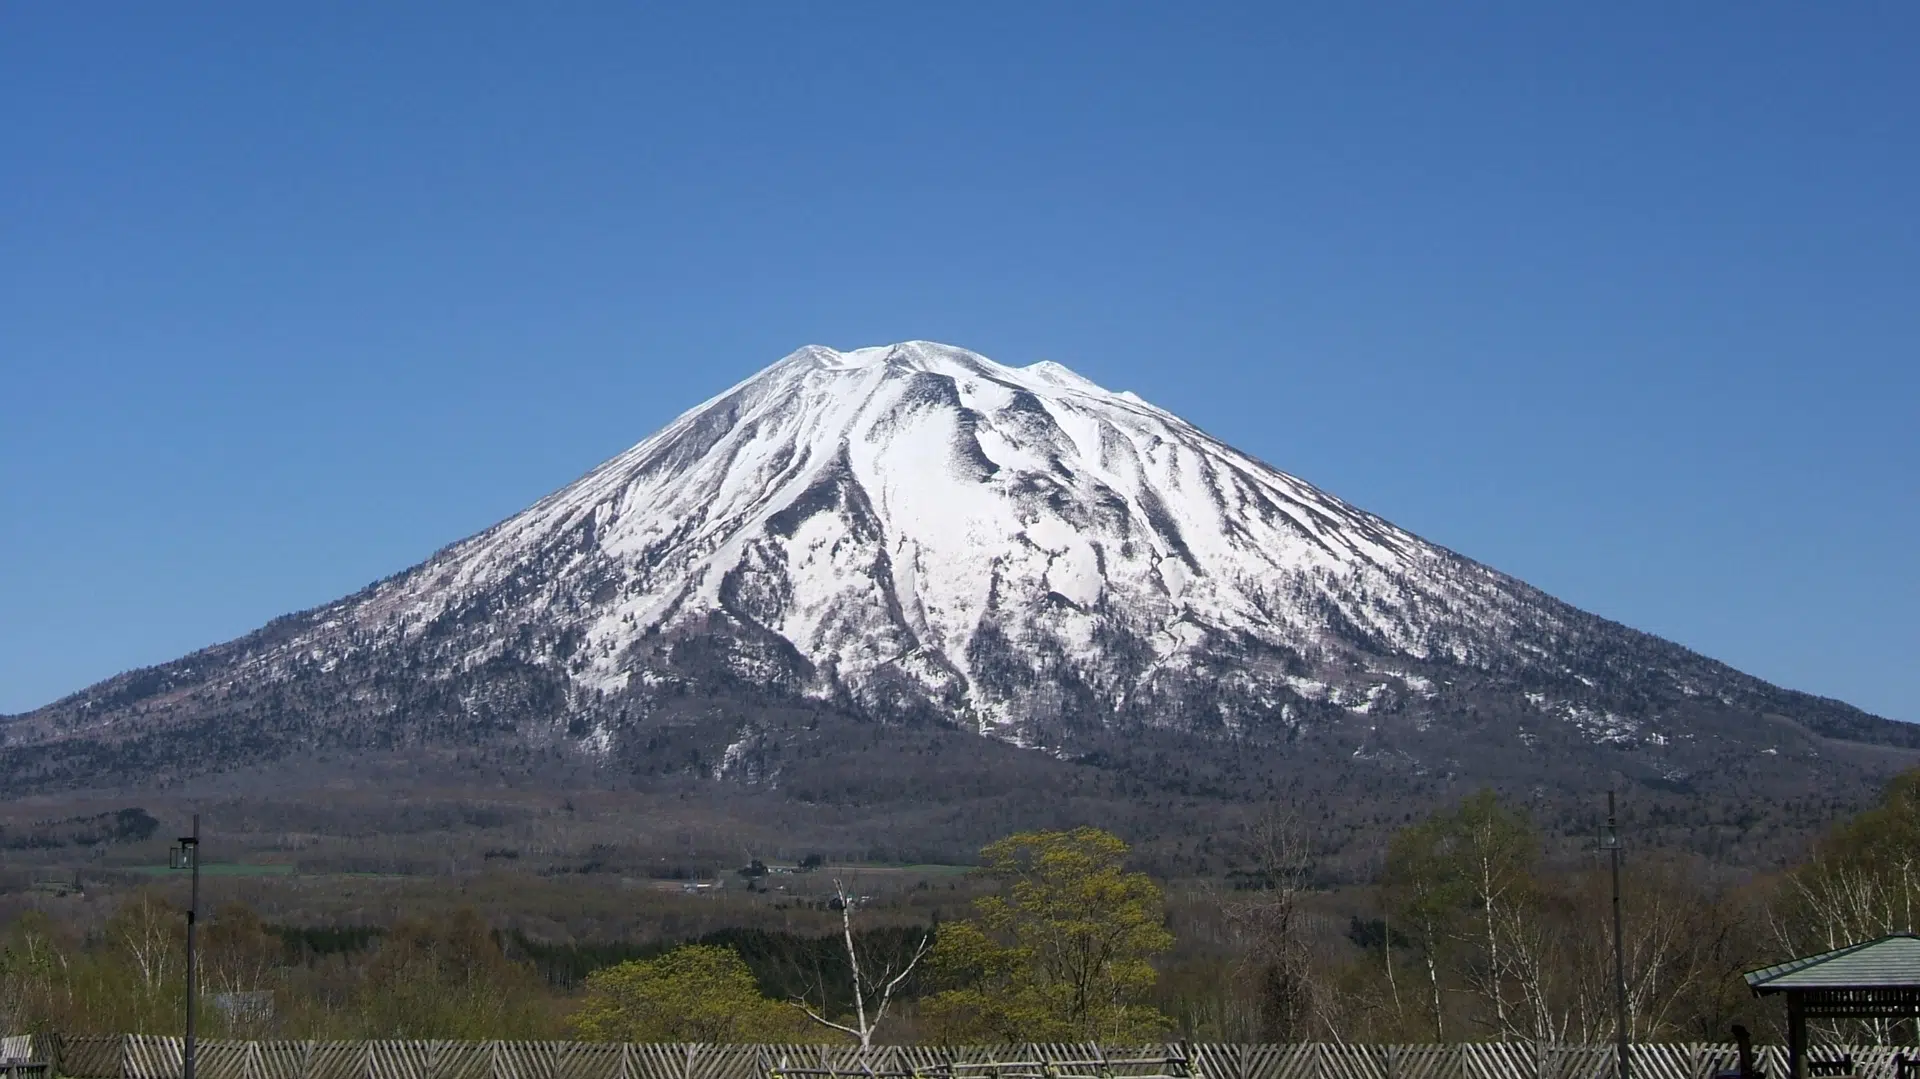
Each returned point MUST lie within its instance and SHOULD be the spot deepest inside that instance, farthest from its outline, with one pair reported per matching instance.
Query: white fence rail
(142, 1057)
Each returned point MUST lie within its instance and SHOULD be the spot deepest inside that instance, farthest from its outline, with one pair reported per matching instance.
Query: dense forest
(1471, 929)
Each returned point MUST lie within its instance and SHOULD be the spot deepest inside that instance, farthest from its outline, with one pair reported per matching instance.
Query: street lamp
(186, 855)
(1609, 842)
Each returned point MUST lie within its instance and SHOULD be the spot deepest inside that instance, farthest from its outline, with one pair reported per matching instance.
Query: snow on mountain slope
(891, 510)
(917, 530)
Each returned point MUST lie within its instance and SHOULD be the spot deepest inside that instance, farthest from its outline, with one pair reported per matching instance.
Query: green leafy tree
(34, 975)
(1063, 954)
(1424, 895)
(694, 993)
(1494, 850)
(1460, 886)
(129, 978)
(140, 987)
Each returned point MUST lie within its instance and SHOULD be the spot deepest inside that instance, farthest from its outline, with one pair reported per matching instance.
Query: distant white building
(254, 1006)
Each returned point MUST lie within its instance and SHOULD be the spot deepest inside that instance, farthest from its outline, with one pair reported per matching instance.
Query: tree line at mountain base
(1468, 932)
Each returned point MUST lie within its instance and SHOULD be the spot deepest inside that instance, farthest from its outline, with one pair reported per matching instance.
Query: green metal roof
(1875, 964)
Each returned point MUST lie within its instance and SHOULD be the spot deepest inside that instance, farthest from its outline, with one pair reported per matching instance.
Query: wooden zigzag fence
(144, 1057)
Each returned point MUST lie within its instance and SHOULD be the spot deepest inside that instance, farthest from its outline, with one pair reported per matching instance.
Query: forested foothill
(1473, 924)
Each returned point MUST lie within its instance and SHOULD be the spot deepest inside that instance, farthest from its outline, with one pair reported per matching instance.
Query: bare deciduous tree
(1864, 882)
(1533, 962)
(1276, 963)
(868, 986)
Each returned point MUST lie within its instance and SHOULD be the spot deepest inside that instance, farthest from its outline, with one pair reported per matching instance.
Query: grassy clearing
(219, 869)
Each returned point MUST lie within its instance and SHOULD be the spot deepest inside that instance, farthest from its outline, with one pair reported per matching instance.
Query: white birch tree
(872, 983)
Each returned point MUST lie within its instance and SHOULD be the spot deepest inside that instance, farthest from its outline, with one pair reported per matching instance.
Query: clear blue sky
(1623, 299)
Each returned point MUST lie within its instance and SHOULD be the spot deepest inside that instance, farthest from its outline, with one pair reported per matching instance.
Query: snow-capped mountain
(919, 521)
(916, 533)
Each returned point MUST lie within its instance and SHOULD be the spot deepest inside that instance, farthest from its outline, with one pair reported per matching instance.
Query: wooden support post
(1744, 1042)
(1796, 1037)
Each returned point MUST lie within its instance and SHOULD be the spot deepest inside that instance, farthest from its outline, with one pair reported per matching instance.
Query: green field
(928, 869)
(219, 869)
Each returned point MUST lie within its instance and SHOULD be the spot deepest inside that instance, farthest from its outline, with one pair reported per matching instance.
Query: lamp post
(1610, 842)
(186, 855)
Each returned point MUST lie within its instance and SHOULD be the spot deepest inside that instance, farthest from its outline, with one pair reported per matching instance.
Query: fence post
(53, 1050)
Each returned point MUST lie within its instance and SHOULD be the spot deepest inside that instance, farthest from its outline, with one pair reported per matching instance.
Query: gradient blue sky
(1620, 298)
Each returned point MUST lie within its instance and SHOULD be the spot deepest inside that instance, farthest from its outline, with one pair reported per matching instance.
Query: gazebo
(1877, 979)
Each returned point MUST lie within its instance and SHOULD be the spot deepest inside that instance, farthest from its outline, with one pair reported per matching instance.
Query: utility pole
(1610, 842)
(187, 856)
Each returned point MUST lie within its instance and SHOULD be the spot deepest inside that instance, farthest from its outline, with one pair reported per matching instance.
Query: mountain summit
(915, 534)
(1015, 548)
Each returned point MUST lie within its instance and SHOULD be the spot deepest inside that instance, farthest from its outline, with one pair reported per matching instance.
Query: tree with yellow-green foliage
(1459, 885)
(129, 979)
(694, 993)
(33, 965)
(1064, 954)
(139, 984)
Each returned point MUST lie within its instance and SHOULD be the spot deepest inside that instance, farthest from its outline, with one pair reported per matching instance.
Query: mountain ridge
(914, 534)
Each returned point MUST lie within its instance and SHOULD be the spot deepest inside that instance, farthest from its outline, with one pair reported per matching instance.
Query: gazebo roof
(1888, 963)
